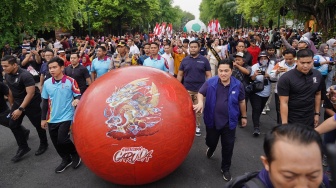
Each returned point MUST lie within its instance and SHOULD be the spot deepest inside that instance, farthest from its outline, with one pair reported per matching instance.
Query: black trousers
(258, 103)
(33, 112)
(60, 137)
(277, 107)
(227, 140)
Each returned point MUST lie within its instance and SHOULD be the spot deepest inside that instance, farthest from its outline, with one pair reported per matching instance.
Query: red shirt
(254, 51)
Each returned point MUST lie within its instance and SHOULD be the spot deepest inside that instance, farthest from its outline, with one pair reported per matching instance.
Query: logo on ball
(132, 154)
(133, 110)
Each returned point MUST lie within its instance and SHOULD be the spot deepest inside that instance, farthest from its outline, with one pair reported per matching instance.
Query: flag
(155, 31)
(170, 30)
(163, 29)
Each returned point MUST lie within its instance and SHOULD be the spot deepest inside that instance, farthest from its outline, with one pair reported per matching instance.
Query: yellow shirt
(177, 61)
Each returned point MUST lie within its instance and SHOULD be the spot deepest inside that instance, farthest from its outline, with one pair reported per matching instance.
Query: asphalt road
(196, 171)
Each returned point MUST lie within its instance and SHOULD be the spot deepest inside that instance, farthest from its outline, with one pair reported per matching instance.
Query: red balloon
(134, 125)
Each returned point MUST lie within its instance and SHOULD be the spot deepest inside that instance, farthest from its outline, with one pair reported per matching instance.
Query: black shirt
(80, 74)
(301, 89)
(18, 82)
(3, 92)
(247, 58)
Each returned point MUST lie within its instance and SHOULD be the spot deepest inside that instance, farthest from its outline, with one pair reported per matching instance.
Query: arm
(242, 69)
(208, 74)
(180, 75)
(37, 57)
(30, 94)
(93, 76)
(286, 44)
(199, 106)
(242, 106)
(44, 113)
(327, 125)
(274, 73)
(88, 81)
(10, 98)
(284, 109)
(26, 59)
(317, 107)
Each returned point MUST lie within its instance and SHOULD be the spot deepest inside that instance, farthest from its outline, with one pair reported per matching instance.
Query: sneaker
(65, 164)
(256, 132)
(76, 161)
(42, 148)
(20, 153)
(209, 153)
(263, 112)
(198, 131)
(324, 160)
(227, 176)
(267, 108)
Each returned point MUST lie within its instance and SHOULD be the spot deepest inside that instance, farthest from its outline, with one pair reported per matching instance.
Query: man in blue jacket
(225, 102)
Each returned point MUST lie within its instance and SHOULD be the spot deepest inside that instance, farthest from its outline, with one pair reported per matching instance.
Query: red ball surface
(134, 125)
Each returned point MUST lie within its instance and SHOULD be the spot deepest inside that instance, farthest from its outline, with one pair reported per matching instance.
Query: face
(185, 45)
(295, 44)
(240, 47)
(167, 49)
(146, 49)
(121, 49)
(216, 42)
(326, 49)
(239, 60)
(304, 64)
(48, 56)
(8, 68)
(74, 59)
(179, 50)
(154, 49)
(289, 59)
(193, 49)
(100, 53)
(224, 72)
(24, 51)
(302, 45)
(54, 69)
(334, 45)
(271, 51)
(130, 43)
(295, 165)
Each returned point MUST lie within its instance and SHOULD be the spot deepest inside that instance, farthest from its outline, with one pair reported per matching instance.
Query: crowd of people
(221, 72)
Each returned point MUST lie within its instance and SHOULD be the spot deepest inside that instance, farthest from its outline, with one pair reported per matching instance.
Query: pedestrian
(225, 102)
(194, 70)
(60, 96)
(260, 72)
(101, 64)
(299, 92)
(156, 60)
(78, 72)
(26, 101)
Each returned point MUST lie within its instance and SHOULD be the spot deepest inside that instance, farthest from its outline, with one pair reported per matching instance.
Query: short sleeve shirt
(158, 63)
(300, 89)
(101, 66)
(60, 95)
(80, 74)
(194, 72)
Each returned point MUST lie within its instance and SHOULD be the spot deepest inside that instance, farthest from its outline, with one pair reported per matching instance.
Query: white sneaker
(267, 108)
(263, 112)
(198, 131)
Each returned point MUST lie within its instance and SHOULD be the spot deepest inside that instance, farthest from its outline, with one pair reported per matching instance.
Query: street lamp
(88, 14)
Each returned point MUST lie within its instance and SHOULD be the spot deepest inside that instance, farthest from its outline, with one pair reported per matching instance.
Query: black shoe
(65, 164)
(256, 132)
(20, 153)
(209, 153)
(27, 132)
(76, 161)
(41, 149)
(227, 176)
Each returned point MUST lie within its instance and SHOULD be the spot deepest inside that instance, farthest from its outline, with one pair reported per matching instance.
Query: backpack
(248, 180)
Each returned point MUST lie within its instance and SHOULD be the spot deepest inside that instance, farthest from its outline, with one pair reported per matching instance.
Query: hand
(256, 73)
(198, 107)
(316, 120)
(75, 102)
(16, 114)
(235, 64)
(243, 122)
(44, 124)
(282, 69)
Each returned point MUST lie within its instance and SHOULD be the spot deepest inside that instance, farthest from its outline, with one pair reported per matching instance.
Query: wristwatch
(21, 109)
(244, 117)
(317, 113)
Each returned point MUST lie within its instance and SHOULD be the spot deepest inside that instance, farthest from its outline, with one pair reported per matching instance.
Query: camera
(332, 63)
(262, 72)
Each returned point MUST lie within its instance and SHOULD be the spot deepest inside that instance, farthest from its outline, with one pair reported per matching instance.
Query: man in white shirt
(169, 58)
(133, 48)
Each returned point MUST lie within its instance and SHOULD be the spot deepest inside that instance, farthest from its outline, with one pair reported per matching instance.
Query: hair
(167, 45)
(77, 54)
(195, 42)
(58, 60)
(241, 42)
(226, 62)
(270, 46)
(146, 44)
(289, 51)
(156, 44)
(186, 41)
(305, 53)
(294, 133)
(11, 59)
(102, 48)
(49, 50)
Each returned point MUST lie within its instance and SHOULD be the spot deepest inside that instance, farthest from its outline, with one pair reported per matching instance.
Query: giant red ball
(134, 125)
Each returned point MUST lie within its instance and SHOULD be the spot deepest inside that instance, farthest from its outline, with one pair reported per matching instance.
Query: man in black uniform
(26, 100)
(299, 92)
(78, 72)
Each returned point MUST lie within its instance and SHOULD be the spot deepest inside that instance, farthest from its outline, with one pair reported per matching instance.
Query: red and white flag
(163, 29)
(156, 29)
(170, 30)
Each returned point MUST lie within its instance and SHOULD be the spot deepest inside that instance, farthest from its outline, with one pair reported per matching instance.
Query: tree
(30, 16)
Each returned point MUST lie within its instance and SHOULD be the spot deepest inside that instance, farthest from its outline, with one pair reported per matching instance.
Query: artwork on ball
(133, 110)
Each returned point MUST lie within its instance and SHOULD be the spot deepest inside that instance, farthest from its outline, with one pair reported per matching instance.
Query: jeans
(193, 95)
(33, 112)
(60, 137)
(227, 140)
(258, 104)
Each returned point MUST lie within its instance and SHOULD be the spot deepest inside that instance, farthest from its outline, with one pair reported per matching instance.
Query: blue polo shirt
(60, 96)
(101, 66)
(159, 63)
